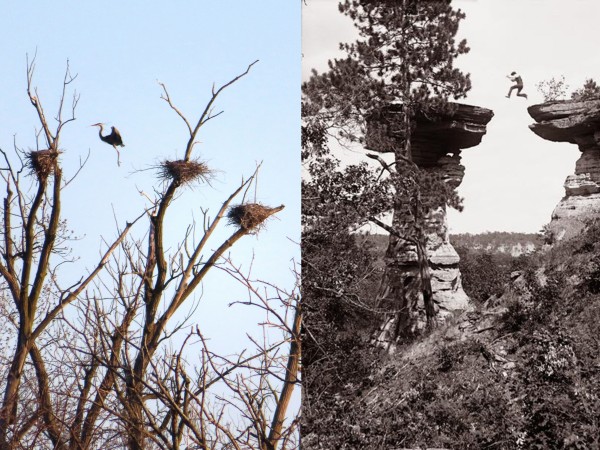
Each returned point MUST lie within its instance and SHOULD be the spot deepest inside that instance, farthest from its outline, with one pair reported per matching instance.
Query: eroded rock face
(437, 135)
(448, 293)
(576, 122)
(567, 121)
(568, 218)
(437, 142)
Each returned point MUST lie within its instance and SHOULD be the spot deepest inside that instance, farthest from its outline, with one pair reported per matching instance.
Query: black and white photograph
(450, 225)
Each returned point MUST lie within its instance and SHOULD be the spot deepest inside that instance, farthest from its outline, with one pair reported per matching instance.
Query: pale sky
(513, 179)
(119, 51)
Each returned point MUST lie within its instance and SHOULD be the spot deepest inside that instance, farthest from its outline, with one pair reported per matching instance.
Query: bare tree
(31, 231)
(94, 364)
(189, 404)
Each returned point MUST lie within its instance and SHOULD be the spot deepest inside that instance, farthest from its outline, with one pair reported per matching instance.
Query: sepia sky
(513, 179)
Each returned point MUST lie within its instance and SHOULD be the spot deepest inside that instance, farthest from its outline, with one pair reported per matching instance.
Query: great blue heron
(114, 139)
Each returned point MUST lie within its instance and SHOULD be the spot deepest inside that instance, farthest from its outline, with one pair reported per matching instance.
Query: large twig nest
(42, 162)
(251, 216)
(184, 171)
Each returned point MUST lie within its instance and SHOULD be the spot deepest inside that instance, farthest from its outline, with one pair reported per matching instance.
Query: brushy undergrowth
(532, 382)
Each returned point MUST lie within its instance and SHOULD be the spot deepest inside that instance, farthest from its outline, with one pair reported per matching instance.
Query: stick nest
(184, 171)
(250, 216)
(42, 162)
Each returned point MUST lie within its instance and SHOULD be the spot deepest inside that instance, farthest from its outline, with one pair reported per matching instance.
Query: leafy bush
(483, 274)
(517, 315)
(553, 89)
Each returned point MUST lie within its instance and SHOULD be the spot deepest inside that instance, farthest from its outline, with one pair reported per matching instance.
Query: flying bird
(114, 139)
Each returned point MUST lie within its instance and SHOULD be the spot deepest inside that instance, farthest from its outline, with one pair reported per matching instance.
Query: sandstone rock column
(576, 122)
(437, 142)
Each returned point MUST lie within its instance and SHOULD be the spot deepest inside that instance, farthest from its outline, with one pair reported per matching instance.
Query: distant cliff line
(513, 243)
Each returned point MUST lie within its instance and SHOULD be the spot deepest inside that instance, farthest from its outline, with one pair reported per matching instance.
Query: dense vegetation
(487, 260)
(521, 372)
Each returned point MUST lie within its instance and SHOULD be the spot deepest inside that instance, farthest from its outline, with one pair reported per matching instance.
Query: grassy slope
(521, 373)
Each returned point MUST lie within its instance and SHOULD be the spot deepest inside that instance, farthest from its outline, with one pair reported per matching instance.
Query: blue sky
(513, 179)
(119, 50)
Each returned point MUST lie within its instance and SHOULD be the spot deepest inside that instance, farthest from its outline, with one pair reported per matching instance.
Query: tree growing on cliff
(405, 56)
(589, 91)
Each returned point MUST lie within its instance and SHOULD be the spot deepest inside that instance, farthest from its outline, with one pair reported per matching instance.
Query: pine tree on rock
(403, 61)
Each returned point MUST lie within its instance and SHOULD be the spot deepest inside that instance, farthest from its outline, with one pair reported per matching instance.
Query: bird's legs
(118, 156)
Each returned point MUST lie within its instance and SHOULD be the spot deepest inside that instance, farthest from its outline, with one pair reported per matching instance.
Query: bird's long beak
(96, 124)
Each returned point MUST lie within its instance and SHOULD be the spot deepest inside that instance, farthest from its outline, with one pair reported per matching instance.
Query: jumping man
(516, 78)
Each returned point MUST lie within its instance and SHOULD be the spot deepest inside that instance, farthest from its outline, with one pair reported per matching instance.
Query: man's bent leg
(519, 92)
(511, 89)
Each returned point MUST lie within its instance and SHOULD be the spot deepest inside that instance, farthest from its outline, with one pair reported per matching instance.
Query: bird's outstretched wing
(117, 137)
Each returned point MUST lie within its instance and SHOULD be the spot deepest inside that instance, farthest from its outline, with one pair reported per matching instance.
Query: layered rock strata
(437, 142)
(576, 122)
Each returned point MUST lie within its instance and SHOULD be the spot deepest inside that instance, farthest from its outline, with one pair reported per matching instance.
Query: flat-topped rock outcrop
(567, 121)
(438, 134)
(576, 122)
(437, 142)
